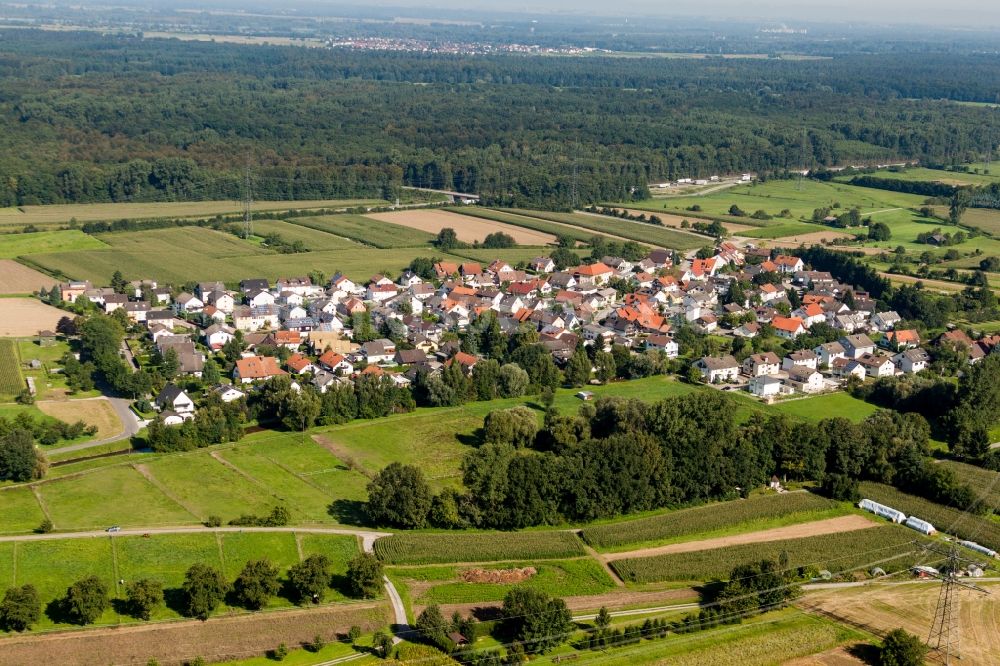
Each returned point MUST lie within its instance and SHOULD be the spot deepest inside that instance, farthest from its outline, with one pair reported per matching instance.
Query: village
(794, 331)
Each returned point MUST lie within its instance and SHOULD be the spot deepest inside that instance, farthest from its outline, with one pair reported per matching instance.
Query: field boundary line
(593, 554)
(41, 503)
(13, 565)
(298, 546)
(217, 456)
(222, 551)
(298, 476)
(147, 474)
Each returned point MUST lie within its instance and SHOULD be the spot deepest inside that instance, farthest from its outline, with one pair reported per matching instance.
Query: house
(801, 358)
(662, 343)
(911, 360)
(165, 318)
(877, 365)
(810, 314)
(114, 301)
(715, 370)
(766, 386)
(136, 310)
(380, 292)
(661, 258)
(171, 418)
(856, 346)
(788, 328)
(593, 275)
(759, 365)
(248, 287)
(804, 379)
(829, 352)
(788, 264)
(542, 265)
(769, 292)
(467, 361)
(336, 363)
(379, 352)
(259, 298)
(901, 340)
(847, 367)
(750, 330)
(189, 303)
(71, 291)
(299, 365)
(301, 286)
(218, 335)
(288, 339)
(410, 357)
(445, 269)
(885, 321)
(228, 392)
(173, 398)
(161, 295)
(256, 368)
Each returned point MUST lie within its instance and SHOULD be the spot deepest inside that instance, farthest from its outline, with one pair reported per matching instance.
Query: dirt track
(218, 639)
(468, 229)
(815, 528)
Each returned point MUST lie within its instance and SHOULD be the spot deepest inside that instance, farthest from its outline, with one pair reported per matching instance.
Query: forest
(95, 118)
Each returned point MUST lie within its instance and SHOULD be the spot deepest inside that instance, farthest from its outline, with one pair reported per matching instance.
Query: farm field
(63, 213)
(799, 198)
(434, 548)
(986, 219)
(11, 382)
(367, 230)
(310, 238)
(925, 175)
(467, 228)
(512, 255)
(461, 585)
(15, 245)
(946, 519)
(17, 278)
(985, 482)
(23, 511)
(641, 232)
(25, 317)
(518, 220)
(773, 638)
(52, 565)
(809, 238)
(93, 411)
(757, 512)
(793, 232)
(887, 546)
(883, 608)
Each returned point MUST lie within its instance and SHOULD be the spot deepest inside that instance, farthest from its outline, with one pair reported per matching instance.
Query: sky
(972, 13)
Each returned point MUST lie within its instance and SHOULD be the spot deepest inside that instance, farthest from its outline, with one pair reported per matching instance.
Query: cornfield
(10, 374)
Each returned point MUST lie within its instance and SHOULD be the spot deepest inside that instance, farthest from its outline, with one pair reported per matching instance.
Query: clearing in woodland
(467, 228)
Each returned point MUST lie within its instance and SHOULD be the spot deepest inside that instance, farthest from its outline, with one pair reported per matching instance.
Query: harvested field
(840, 656)
(426, 548)
(881, 608)
(468, 229)
(96, 412)
(24, 317)
(218, 639)
(801, 531)
(16, 278)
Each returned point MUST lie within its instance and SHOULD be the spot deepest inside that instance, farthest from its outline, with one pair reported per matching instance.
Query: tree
(257, 583)
(605, 367)
(433, 627)
(310, 578)
(204, 588)
(19, 460)
(399, 496)
(603, 619)
(959, 202)
(118, 282)
(382, 642)
(736, 211)
(499, 240)
(516, 426)
(447, 239)
(900, 648)
(364, 576)
(512, 381)
(142, 596)
(210, 373)
(579, 367)
(20, 608)
(879, 231)
(535, 619)
(85, 600)
(301, 409)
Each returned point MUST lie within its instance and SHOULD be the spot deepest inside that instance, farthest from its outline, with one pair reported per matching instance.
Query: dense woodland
(116, 118)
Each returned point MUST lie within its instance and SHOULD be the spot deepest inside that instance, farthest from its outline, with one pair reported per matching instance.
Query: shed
(585, 395)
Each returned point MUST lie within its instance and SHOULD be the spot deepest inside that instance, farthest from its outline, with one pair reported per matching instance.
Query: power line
(247, 197)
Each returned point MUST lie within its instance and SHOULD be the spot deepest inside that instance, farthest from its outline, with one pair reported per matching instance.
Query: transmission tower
(803, 160)
(944, 638)
(574, 194)
(247, 197)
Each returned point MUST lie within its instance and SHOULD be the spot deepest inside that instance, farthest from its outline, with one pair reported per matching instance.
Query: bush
(278, 517)
(364, 576)
(213, 521)
(900, 648)
(20, 608)
(45, 527)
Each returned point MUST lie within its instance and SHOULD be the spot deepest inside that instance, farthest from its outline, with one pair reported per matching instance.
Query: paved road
(130, 423)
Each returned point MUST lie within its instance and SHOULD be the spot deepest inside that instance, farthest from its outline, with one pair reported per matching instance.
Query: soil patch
(800, 531)
(25, 317)
(219, 639)
(822, 237)
(503, 576)
(17, 278)
(840, 656)
(469, 229)
(97, 412)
